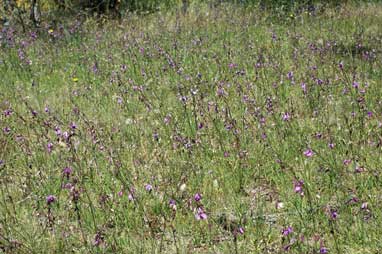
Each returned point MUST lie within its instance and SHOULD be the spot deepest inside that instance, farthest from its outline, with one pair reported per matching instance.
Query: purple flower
(49, 147)
(33, 35)
(34, 113)
(21, 54)
(197, 197)
(355, 84)
(172, 204)
(8, 112)
(308, 153)
(156, 136)
(131, 195)
(241, 230)
(67, 186)
(346, 162)
(290, 75)
(341, 66)
(75, 193)
(148, 187)
(286, 116)
(46, 109)
(73, 126)
(287, 247)
(95, 68)
(167, 119)
(98, 239)
(7, 130)
(221, 92)
(50, 199)
(183, 99)
(333, 214)
(67, 171)
(331, 145)
(57, 130)
(359, 169)
(298, 187)
(65, 135)
(364, 205)
(274, 36)
(232, 65)
(303, 87)
(323, 250)
(200, 214)
(352, 200)
(287, 231)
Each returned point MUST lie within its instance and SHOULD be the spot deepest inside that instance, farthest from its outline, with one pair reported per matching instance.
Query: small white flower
(183, 187)
(216, 184)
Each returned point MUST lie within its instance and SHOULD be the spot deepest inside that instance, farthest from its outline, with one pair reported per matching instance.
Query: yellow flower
(75, 79)
(50, 31)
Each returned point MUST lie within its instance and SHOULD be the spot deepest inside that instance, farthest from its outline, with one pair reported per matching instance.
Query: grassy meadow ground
(222, 130)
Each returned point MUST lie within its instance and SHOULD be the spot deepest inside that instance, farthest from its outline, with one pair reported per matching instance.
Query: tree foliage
(31, 11)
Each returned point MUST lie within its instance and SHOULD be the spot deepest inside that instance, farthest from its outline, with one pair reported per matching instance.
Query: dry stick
(235, 243)
(75, 199)
(334, 236)
(77, 210)
(175, 239)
